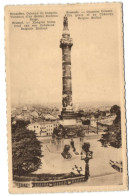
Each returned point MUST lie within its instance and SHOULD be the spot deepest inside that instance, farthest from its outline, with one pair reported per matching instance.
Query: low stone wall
(51, 183)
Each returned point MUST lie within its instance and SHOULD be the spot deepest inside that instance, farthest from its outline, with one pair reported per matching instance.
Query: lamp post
(97, 125)
(97, 116)
(86, 158)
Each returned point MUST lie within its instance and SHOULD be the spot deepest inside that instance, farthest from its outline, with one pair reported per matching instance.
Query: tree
(115, 109)
(112, 135)
(26, 149)
(105, 139)
(59, 132)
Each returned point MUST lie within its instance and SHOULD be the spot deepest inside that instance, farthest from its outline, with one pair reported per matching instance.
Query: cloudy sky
(36, 61)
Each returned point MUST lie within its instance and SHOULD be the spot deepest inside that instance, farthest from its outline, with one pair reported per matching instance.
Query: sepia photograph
(65, 98)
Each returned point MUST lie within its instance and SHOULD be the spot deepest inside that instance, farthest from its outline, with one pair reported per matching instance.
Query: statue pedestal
(68, 118)
(68, 122)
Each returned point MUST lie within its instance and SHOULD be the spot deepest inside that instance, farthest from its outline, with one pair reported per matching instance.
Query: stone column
(66, 44)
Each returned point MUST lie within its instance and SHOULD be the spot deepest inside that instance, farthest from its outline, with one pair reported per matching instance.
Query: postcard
(65, 98)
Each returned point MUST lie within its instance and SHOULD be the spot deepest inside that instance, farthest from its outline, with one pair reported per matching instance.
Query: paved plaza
(100, 169)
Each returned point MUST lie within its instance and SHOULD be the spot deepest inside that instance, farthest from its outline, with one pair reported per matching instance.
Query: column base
(68, 115)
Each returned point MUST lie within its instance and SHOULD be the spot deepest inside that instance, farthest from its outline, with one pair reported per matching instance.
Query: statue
(65, 22)
(66, 153)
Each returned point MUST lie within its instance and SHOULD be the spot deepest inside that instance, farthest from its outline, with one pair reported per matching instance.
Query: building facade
(43, 128)
(108, 120)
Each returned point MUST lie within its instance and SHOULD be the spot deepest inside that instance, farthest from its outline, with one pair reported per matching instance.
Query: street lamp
(86, 158)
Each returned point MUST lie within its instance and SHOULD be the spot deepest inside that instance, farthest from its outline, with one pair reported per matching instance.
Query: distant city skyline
(75, 105)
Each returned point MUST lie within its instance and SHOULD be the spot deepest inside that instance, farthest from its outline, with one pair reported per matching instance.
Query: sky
(36, 62)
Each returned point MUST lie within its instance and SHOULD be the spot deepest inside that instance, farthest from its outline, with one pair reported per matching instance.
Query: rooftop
(43, 123)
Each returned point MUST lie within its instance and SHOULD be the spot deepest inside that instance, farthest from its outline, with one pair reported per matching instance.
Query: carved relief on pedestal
(67, 102)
